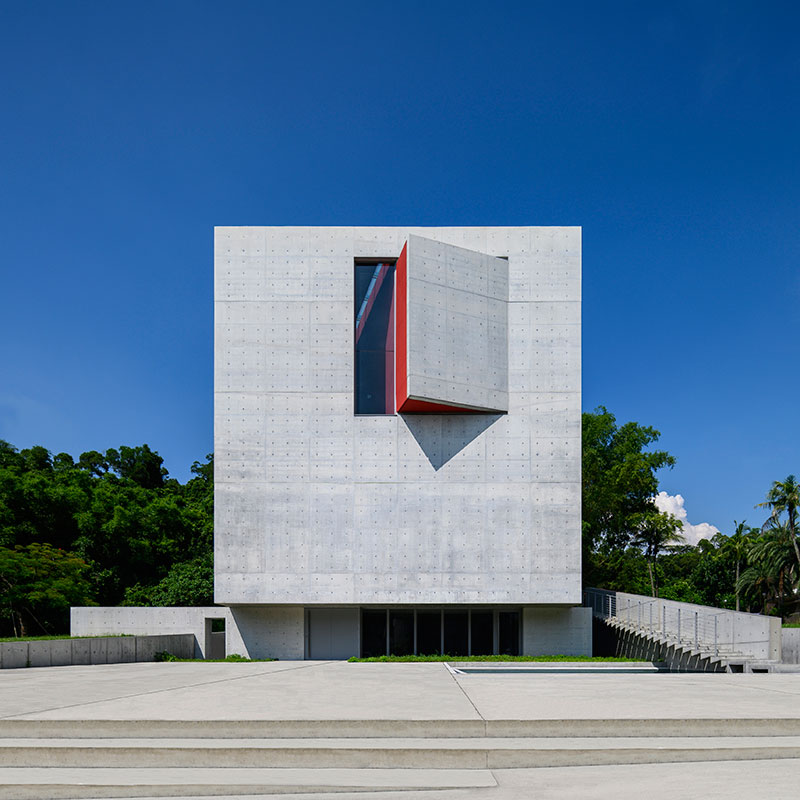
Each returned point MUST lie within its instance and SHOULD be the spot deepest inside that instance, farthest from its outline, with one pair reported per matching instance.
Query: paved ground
(341, 691)
(338, 690)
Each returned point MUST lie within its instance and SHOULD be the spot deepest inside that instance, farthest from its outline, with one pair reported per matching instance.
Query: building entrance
(453, 632)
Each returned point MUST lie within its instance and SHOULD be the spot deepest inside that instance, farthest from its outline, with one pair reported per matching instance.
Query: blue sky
(668, 131)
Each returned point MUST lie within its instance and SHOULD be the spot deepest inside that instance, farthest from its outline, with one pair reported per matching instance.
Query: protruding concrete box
(452, 329)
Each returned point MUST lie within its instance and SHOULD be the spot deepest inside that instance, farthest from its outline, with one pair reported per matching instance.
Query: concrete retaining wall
(101, 650)
(253, 632)
(790, 639)
(145, 621)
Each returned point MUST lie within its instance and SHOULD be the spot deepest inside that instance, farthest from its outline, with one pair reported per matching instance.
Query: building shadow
(443, 436)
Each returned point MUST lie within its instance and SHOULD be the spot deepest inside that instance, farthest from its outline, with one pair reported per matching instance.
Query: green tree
(138, 464)
(784, 498)
(735, 547)
(117, 510)
(654, 532)
(771, 554)
(38, 584)
(190, 583)
(619, 478)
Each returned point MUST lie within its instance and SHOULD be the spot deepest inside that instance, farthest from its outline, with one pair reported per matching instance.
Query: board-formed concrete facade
(318, 506)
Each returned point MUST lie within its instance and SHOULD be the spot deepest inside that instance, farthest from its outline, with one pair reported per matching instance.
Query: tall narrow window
(374, 338)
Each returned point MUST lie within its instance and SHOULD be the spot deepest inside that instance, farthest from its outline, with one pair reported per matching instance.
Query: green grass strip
(543, 659)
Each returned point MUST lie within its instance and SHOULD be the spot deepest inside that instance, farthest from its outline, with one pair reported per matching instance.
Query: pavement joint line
(773, 691)
(172, 689)
(463, 691)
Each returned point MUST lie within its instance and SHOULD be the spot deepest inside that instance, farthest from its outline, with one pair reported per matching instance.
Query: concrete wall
(551, 631)
(115, 650)
(253, 632)
(457, 331)
(790, 638)
(272, 632)
(143, 621)
(315, 505)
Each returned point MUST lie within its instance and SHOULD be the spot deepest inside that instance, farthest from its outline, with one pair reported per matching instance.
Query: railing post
(716, 646)
(695, 631)
(664, 620)
(651, 617)
(679, 625)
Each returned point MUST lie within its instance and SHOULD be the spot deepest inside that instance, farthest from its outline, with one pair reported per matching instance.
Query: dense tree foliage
(37, 582)
(106, 529)
(619, 479)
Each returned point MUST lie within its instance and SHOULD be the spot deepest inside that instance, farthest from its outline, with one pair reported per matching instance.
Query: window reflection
(374, 338)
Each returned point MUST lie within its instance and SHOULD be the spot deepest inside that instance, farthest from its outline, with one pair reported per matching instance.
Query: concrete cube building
(397, 440)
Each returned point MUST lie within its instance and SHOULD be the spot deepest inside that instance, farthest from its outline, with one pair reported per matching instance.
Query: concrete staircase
(684, 657)
(685, 636)
(104, 759)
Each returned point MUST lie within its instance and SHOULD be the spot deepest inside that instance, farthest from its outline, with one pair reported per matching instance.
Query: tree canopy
(117, 514)
(619, 479)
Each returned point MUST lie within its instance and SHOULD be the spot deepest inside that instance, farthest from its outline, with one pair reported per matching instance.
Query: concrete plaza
(337, 690)
(337, 729)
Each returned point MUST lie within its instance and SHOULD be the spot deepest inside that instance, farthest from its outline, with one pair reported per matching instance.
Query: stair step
(76, 730)
(63, 783)
(358, 754)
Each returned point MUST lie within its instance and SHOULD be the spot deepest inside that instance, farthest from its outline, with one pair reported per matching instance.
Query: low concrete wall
(101, 650)
(250, 631)
(143, 621)
(790, 638)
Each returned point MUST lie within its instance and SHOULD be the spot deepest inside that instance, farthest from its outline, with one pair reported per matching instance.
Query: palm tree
(771, 566)
(656, 532)
(756, 582)
(736, 546)
(784, 497)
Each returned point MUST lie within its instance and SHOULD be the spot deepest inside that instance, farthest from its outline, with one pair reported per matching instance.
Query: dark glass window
(429, 633)
(508, 624)
(455, 633)
(373, 633)
(482, 630)
(452, 632)
(374, 338)
(401, 633)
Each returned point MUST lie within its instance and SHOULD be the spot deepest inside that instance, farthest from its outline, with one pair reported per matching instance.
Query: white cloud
(673, 504)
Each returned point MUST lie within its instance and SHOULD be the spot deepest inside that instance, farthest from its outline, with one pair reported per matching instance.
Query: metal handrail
(703, 628)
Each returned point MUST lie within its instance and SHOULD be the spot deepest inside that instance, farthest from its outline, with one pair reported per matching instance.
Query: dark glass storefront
(453, 632)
